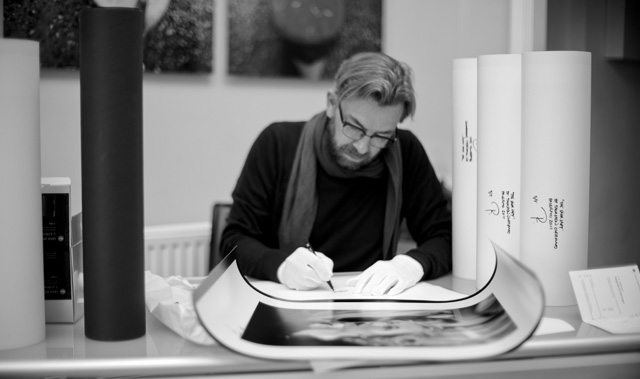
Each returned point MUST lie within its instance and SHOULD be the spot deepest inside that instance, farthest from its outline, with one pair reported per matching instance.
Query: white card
(609, 298)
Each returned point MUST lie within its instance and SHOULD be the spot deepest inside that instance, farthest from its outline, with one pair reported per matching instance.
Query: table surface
(161, 352)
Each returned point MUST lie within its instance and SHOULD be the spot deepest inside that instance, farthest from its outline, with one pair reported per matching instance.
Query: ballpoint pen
(308, 246)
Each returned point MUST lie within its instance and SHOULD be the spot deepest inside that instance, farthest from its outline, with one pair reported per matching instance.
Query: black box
(62, 248)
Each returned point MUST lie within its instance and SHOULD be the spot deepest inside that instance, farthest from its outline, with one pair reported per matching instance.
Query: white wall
(198, 129)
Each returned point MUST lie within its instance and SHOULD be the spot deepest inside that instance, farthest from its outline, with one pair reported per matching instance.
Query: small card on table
(609, 298)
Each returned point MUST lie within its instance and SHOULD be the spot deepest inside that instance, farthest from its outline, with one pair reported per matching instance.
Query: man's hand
(388, 277)
(303, 270)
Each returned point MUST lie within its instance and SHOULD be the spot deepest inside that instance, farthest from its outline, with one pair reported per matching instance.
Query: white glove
(388, 277)
(303, 270)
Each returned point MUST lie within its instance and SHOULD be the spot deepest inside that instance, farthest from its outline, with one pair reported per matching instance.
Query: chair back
(218, 223)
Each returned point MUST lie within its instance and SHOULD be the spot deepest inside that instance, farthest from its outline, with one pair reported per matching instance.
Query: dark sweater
(350, 216)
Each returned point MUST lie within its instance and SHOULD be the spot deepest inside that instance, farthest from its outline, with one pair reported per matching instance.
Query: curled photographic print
(266, 320)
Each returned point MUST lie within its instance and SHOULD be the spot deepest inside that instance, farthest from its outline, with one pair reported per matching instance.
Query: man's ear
(332, 104)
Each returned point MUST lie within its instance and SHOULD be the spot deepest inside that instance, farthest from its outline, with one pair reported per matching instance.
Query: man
(343, 180)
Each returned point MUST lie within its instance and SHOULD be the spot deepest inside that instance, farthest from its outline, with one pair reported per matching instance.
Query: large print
(265, 322)
(479, 324)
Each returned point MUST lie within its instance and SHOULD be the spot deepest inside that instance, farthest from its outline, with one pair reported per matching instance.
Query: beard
(340, 154)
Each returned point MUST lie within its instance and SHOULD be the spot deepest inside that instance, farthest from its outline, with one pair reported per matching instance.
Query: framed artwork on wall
(178, 34)
(305, 39)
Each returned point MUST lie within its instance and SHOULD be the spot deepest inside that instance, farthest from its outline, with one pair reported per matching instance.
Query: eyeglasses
(357, 133)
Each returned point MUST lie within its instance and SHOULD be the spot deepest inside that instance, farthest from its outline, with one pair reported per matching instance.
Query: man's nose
(362, 145)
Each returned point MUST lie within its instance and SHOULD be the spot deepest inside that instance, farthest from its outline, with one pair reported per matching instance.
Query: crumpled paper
(170, 300)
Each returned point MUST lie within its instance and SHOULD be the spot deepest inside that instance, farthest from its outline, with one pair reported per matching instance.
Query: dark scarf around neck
(301, 198)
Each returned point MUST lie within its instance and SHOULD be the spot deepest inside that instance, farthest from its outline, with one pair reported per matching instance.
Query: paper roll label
(469, 145)
(551, 216)
(502, 204)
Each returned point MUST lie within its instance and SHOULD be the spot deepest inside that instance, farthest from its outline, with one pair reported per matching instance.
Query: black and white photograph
(486, 321)
(300, 38)
(344, 189)
(177, 34)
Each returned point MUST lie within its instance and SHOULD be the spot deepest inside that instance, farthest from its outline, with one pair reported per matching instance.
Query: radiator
(179, 249)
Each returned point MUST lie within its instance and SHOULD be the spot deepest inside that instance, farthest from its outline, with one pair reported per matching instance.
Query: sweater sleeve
(426, 209)
(257, 202)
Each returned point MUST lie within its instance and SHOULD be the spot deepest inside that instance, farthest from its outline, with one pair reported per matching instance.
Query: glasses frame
(389, 140)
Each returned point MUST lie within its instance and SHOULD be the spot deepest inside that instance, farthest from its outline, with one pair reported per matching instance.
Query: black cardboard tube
(112, 172)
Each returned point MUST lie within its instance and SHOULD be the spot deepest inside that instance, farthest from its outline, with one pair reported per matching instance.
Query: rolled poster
(556, 135)
(112, 172)
(465, 167)
(22, 315)
(499, 128)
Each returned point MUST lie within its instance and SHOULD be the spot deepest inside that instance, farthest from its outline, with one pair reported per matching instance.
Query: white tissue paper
(170, 300)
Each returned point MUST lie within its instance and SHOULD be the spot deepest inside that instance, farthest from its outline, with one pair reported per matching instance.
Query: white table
(587, 352)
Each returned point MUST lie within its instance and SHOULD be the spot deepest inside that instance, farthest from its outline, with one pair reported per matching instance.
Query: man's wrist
(410, 265)
(280, 271)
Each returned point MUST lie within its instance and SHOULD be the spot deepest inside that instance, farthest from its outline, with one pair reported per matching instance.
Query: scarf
(301, 198)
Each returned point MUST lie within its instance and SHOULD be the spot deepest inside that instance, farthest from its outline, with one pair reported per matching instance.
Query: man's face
(366, 115)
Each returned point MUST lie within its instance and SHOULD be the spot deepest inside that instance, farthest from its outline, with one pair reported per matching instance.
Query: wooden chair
(218, 222)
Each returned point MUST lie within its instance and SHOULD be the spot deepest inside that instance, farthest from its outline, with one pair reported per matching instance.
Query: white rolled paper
(465, 167)
(22, 319)
(499, 126)
(556, 134)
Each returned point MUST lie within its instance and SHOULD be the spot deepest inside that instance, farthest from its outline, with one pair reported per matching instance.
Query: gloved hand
(303, 270)
(388, 277)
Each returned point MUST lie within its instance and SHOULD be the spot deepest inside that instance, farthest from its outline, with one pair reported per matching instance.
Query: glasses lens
(352, 132)
(379, 142)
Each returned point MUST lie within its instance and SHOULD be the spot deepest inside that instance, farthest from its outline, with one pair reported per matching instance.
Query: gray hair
(379, 77)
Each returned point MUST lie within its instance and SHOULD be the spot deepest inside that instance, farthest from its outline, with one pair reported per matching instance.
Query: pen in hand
(308, 246)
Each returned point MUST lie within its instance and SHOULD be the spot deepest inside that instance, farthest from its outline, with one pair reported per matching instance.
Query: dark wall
(614, 223)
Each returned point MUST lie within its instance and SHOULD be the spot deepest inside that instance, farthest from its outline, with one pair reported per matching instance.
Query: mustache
(351, 150)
